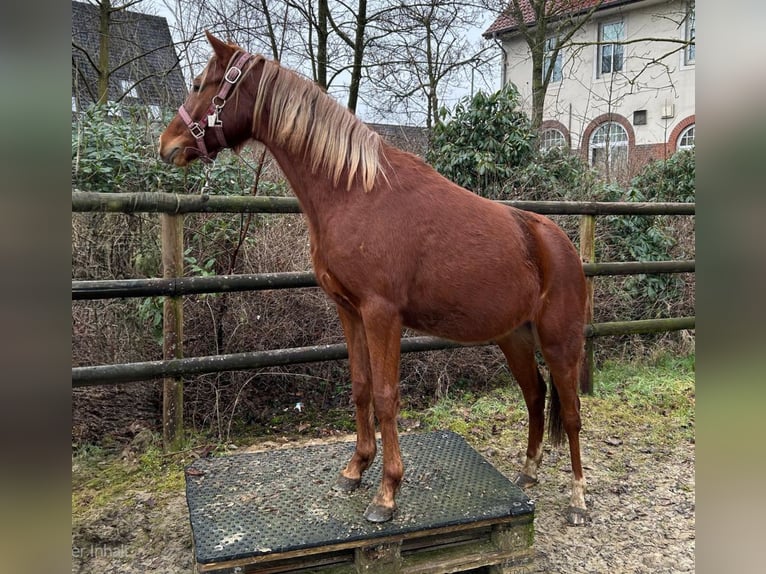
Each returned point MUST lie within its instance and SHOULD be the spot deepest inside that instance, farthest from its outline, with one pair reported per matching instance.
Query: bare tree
(357, 44)
(425, 53)
(344, 32)
(271, 27)
(390, 55)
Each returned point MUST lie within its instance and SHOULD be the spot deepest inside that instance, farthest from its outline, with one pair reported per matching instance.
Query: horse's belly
(469, 322)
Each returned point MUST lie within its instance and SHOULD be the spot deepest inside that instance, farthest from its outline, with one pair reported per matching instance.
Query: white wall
(582, 96)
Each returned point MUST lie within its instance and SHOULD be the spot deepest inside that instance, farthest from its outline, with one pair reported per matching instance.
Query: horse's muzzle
(172, 154)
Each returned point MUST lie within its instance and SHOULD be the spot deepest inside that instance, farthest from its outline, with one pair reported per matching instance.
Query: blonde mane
(306, 120)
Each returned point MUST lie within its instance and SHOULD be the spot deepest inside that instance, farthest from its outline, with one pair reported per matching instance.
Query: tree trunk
(105, 12)
(323, 12)
(356, 70)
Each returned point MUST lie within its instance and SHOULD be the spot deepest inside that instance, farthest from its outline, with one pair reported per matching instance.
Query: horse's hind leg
(361, 389)
(519, 351)
(563, 352)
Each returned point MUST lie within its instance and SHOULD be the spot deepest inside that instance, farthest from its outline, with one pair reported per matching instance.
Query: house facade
(143, 65)
(622, 88)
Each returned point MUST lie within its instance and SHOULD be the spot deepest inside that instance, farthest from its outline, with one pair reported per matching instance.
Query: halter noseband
(233, 74)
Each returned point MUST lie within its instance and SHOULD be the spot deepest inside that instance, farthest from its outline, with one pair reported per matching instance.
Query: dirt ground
(641, 499)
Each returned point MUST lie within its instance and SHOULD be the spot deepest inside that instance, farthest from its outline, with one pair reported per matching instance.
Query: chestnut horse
(395, 244)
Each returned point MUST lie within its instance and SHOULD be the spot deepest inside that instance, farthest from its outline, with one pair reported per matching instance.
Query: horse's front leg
(382, 326)
(361, 389)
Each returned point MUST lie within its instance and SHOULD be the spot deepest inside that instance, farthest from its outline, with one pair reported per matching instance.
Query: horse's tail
(555, 423)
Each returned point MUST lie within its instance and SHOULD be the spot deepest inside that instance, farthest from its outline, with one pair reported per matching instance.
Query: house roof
(507, 21)
(414, 139)
(141, 52)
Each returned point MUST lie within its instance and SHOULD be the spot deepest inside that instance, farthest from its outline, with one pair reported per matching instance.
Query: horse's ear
(222, 50)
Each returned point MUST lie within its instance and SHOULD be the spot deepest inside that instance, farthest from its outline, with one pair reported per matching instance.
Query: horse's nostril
(168, 155)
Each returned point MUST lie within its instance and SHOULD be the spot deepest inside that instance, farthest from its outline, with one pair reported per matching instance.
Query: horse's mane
(304, 119)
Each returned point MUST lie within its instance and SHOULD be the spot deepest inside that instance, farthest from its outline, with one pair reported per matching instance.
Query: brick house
(614, 95)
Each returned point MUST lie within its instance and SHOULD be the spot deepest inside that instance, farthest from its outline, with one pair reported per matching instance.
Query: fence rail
(147, 202)
(173, 285)
(143, 371)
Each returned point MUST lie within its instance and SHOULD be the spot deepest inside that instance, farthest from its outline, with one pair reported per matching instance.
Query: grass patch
(100, 476)
(467, 413)
(659, 394)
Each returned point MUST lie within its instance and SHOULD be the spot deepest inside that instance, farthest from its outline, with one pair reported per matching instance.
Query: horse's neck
(314, 191)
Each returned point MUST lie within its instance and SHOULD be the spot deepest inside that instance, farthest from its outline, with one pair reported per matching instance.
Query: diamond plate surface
(252, 504)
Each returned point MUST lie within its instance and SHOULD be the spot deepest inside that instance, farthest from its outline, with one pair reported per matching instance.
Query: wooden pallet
(456, 513)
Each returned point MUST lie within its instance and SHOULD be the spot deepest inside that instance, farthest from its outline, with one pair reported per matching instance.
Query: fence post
(172, 241)
(588, 255)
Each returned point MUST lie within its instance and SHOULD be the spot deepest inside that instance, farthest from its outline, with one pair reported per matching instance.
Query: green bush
(483, 141)
(645, 238)
(553, 175)
(114, 150)
(669, 180)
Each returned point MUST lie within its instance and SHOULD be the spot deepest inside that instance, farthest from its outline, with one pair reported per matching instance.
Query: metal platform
(276, 511)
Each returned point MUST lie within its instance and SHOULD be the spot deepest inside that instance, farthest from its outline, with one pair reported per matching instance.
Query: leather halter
(234, 72)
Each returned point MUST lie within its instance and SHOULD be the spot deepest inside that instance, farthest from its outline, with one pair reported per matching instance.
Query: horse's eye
(195, 87)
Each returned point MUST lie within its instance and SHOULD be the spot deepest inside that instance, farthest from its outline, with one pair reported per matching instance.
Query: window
(686, 139)
(556, 74)
(611, 56)
(74, 103)
(155, 112)
(129, 89)
(552, 138)
(691, 35)
(639, 118)
(609, 147)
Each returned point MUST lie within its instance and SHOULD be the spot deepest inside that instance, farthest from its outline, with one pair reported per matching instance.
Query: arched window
(609, 147)
(686, 139)
(551, 138)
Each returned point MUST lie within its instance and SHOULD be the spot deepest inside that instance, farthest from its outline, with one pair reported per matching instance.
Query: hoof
(377, 513)
(577, 516)
(346, 485)
(524, 480)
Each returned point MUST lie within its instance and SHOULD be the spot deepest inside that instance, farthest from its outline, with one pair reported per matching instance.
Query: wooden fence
(173, 285)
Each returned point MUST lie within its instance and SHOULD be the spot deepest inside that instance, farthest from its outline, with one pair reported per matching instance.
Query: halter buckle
(232, 75)
(197, 130)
